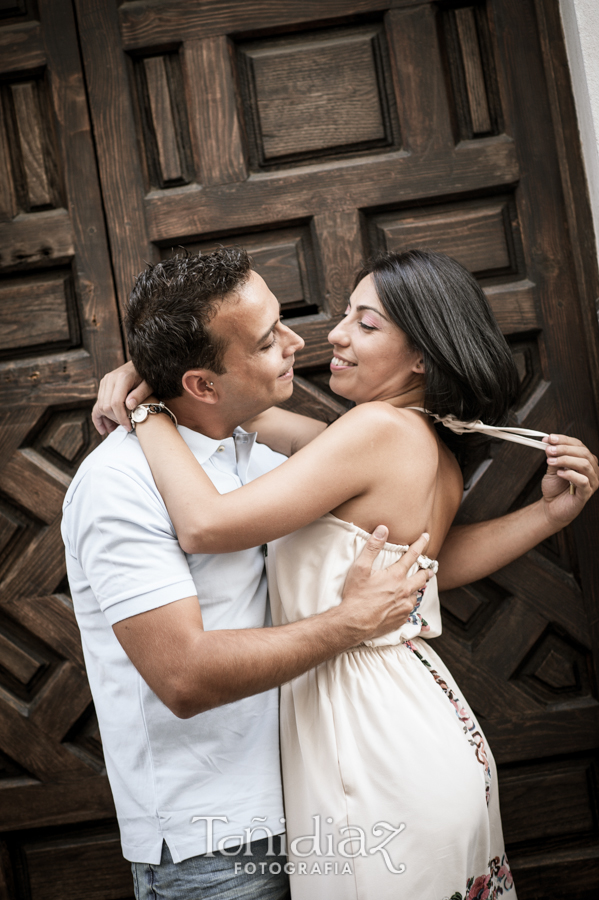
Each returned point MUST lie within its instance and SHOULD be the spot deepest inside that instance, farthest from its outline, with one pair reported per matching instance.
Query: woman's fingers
(118, 390)
(139, 395)
(580, 481)
(562, 439)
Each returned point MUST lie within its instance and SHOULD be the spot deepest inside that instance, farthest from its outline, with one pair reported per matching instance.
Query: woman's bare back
(418, 486)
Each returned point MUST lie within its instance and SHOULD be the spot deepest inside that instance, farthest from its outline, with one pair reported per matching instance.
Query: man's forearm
(224, 666)
(471, 552)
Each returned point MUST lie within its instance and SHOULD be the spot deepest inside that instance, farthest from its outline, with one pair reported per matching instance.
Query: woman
(390, 788)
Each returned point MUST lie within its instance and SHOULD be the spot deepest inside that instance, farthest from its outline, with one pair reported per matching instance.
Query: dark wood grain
(546, 734)
(315, 95)
(21, 47)
(33, 312)
(114, 128)
(147, 24)
(214, 123)
(19, 660)
(34, 483)
(51, 618)
(476, 234)
(55, 378)
(31, 140)
(90, 864)
(8, 200)
(419, 89)
(547, 801)
(339, 244)
(162, 116)
(393, 178)
(514, 305)
(54, 804)
(39, 238)
(473, 70)
(47, 760)
(61, 701)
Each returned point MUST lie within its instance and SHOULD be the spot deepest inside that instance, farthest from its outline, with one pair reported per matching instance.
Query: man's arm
(192, 670)
(471, 552)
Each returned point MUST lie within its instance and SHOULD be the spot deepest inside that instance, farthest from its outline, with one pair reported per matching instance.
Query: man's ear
(199, 383)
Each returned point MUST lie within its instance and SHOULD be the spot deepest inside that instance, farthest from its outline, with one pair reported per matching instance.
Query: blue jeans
(217, 877)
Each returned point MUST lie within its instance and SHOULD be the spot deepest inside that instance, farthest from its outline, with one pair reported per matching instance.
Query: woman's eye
(367, 327)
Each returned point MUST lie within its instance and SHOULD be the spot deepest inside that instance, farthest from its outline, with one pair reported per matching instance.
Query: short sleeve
(118, 530)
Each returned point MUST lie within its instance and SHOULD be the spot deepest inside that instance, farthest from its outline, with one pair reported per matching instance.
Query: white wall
(581, 28)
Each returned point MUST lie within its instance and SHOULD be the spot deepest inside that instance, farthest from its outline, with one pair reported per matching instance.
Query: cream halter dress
(390, 788)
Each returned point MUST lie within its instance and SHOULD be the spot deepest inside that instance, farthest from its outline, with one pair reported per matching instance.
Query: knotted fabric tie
(524, 436)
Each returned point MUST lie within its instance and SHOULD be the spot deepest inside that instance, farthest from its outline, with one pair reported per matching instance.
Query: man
(185, 689)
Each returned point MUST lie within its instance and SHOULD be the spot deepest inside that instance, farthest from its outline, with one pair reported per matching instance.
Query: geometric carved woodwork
(164, 126)
(285, 259)
(544, 801)
(473, 77)
(479, 234)
(35, 311)
(67, 435)
(316, 94)
(556, 671)
(30, 143)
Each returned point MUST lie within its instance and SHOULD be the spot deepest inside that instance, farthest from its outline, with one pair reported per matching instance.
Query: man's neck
(210, 420)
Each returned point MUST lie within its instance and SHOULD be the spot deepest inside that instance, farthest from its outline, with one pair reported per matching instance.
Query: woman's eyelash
(367, 327)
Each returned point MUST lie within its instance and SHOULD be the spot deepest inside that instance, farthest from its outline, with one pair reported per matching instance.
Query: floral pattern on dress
(475, 738)
(490, 886)
(415, 617)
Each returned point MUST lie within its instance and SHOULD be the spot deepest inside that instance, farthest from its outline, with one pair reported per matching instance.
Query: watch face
(139, 414)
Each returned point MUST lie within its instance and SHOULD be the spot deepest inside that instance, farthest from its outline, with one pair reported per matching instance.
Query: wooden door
(314, 133)
(59, 331)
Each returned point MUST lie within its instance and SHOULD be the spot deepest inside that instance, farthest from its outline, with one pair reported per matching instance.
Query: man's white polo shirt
(123, 559)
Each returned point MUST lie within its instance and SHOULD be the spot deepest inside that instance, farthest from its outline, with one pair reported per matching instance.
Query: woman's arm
(284, 431)
(341, 463)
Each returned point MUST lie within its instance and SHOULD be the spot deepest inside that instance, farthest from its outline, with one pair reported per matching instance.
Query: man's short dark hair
(169, 311)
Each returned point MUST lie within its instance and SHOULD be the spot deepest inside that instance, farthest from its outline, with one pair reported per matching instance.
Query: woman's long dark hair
(469, 369)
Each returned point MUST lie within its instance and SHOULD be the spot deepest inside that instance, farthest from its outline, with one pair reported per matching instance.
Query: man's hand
(120, 390)
(378, 602)
(569, 462)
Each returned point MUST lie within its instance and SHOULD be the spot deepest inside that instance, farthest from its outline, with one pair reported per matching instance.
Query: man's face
(260, 349)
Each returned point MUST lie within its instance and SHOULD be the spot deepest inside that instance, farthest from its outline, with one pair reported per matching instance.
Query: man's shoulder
(120, 453)
(265, 459)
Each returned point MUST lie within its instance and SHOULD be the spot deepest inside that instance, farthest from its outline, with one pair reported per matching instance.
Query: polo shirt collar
(203, 447)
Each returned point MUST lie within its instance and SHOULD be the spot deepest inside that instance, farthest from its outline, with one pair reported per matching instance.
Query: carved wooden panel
(59, 331)
(315, 94)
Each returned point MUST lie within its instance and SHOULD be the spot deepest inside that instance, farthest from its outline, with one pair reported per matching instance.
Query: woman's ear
(419, 366)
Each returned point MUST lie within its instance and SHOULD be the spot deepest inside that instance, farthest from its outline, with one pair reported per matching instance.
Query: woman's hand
(121, 390)
(569, 463)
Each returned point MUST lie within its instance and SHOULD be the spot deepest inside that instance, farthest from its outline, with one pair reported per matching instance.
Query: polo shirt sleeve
(120, 533)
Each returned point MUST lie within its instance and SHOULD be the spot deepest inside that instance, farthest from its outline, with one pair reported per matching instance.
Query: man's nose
(295, 343)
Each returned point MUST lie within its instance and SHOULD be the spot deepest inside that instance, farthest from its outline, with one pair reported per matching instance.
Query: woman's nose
(337, 335)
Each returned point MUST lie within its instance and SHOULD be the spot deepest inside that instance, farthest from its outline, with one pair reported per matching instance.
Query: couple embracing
(390, 789)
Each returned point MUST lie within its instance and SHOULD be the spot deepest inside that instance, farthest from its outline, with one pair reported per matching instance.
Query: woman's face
(373, 359)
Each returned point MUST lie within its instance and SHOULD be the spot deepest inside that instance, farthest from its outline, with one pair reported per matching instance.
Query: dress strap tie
(524, 436)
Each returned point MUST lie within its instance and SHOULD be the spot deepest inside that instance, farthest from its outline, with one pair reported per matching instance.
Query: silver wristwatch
(141, 413)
